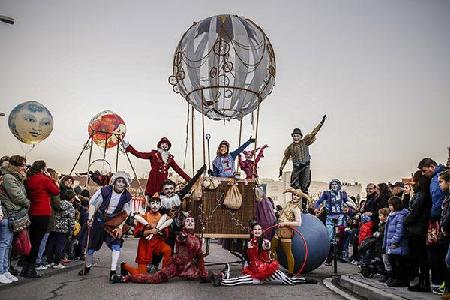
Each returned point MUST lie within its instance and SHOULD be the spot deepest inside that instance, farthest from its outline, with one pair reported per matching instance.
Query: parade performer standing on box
(187, 263)
(160, 161)
(298, 151)
(109, 208)
(152, 229)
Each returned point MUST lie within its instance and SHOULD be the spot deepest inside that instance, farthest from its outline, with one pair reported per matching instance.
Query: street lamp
(7, 19)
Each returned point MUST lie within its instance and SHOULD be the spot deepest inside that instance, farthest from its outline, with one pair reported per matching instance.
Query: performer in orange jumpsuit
(149, 246)
(187, 263)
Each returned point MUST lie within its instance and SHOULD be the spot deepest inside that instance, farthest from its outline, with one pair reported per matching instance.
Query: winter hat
(164, 140)
(296, 131)
(121, 174)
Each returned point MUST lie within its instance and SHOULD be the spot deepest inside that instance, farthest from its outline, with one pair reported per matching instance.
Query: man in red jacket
(160, 161)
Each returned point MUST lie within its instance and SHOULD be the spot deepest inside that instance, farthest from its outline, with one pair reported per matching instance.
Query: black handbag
(18, 220)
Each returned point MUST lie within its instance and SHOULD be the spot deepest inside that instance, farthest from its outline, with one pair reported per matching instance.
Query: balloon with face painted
(107, 127)
(30, 122)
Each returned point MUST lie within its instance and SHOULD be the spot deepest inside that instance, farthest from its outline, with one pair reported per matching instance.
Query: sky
(378, 69)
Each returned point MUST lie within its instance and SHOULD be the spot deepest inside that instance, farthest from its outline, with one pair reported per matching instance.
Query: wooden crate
(219, 221)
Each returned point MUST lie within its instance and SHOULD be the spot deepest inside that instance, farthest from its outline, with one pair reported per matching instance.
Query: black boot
(31, 272)
(117, 279)
(386, 277)
(24, 268)
(112, 274)
(123, 272)
(84, 271)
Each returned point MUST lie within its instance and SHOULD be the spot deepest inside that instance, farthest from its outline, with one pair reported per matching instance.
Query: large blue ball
(316, 236)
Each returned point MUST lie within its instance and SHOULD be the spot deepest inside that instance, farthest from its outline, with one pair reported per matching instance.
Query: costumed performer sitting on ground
(290, 217)
(261, 267)
(187, 263)
(223, 164)
(109, 208)
(160, 161)
(151, 229)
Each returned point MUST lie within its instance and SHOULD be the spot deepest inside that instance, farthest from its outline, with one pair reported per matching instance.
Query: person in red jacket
(40, 188)
(160, 161)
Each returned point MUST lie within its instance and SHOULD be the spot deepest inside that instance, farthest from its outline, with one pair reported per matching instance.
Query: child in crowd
(383, 214)
(395, 243)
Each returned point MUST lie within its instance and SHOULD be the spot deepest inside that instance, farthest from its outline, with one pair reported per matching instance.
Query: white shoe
(4, 279)
(41, 267)
(59, 266)
(10, 276)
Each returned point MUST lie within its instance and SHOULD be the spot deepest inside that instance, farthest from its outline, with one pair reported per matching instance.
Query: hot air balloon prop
(107, 129)
(223, 67)
(30, 122)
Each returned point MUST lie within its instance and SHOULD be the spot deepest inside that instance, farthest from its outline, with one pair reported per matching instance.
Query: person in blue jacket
(223, 164)
(395, 243)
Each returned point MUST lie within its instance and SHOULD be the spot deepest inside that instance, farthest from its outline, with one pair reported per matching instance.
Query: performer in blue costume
(109, 208)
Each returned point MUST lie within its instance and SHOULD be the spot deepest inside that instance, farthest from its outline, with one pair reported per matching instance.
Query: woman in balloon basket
(261, 267)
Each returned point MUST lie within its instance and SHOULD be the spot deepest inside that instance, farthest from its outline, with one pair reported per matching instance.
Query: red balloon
(107, 127)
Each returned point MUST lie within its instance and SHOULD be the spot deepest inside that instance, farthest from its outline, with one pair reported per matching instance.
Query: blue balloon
(318, 243)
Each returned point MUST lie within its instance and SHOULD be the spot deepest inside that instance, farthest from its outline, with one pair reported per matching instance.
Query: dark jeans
(418, 256)
(399, 271)
(301, 177)
(38, 228)
(436, 258)
(55, 247)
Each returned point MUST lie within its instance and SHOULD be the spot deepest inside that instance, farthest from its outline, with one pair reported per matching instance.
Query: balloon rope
(203, 129)
(135, 175)
(240, 141)
(305, 244)
(256, 138)
(79, 156)
(187, 139)
(89, 162)
(192, 140)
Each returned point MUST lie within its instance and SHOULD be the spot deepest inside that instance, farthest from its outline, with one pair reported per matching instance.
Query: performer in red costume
(250, 166)
(187, 263)
(152, 229)
(261, 268)
(160, 161)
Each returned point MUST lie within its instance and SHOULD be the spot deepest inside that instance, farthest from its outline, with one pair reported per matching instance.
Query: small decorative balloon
(107, 127)
(30, 122)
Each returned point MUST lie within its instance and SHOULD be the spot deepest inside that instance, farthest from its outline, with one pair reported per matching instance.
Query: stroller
(371, 263)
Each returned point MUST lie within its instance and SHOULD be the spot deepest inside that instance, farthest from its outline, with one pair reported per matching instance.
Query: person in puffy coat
(395, 242)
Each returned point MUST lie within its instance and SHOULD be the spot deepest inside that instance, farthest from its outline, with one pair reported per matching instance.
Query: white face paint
(169, 190)
(164, 146)
(296, 137)
(295, 197)
(249, 155)
(334, 186)
(120, 185)
(189, 223)
(257, 231)
(155, 206)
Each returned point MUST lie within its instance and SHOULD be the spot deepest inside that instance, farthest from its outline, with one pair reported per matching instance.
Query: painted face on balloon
(155, 206)
(31, 122)
(334, 187)
(169, 190)
(164, 146)
(296, 137)
(189, 223)
(119, 185)
(257, 231)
